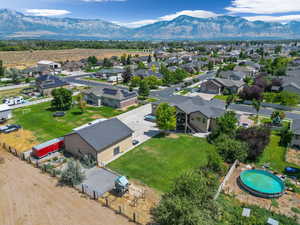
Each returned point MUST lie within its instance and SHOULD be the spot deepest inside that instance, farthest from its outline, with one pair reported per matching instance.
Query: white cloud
(281, 19)
(193, 13)
(47, 12)
(264, 6)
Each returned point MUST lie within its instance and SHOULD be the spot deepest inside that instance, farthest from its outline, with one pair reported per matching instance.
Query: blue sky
(135, 13)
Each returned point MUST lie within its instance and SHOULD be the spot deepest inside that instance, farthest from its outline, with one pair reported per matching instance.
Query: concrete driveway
(98, 180)
(143, 130)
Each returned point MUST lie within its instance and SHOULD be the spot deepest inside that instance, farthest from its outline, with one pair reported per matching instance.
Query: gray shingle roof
(105, 133)
(296, 126)
(112, 93)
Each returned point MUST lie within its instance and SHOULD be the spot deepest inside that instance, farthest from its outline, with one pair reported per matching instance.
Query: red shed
(48, 147)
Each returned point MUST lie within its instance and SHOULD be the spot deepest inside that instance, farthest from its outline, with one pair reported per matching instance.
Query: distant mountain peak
(16, 25)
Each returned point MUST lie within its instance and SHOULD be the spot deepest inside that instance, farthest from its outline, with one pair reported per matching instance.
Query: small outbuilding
(103, 140)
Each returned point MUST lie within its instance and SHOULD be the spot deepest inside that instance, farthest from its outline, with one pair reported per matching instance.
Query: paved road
(14, 86)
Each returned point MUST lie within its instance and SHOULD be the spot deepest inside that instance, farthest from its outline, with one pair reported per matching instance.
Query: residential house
(248, 70)
(146, 73)
(291, 87)
(46, 83)
(232, 75)
(102, 139)
(194, 114)
(48, 67)
(221, 86)
(5, 112)
(110, 96)
(113, 75)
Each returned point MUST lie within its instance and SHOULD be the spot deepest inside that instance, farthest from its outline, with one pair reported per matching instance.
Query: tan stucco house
(194, 114)
(103, 140)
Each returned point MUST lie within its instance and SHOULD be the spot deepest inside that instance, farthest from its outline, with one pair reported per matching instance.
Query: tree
(257, 139)
(92, 60)
(153, 68)
(141, 66)
(229, 100)
(286, 136)
(135, 81)
(149, 60)
(81, 102)
(256, 105)
(127, 75)
(248, 80)
(72, 174)
(179, 75)
(210, 65)
(2, 69)
(107, 62)
(277, 117)
(226, 124)
(289, 98)
(153, 81)
(14, 74)
(231, 149)
(166, 117)
(62, 99)
(190, 202)
(128, 61)
(144, 90)
(167, 76)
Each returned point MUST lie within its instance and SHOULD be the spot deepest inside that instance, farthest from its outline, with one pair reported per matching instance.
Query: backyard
(39, 119)
(160, 160)
(274, 155)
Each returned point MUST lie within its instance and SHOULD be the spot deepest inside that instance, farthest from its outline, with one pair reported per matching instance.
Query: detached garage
(5, 112)
(102, 140)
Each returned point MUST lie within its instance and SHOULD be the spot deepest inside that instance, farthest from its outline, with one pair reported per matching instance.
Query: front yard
(159, 161)
(39, 119)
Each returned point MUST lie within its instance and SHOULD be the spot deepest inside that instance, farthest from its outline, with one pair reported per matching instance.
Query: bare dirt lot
(30, 58)
(28, 197)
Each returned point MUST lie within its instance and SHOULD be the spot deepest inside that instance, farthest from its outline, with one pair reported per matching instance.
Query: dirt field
(28, 197)
(30, 58)
(293, 156)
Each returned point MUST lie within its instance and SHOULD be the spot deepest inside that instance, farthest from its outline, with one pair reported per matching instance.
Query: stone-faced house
(46, 83)
(110, 96)
(221, 86)
(194, 114)
(103, 140)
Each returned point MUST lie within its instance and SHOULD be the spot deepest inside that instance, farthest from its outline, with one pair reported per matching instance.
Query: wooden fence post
(82, 188)
(134, 217)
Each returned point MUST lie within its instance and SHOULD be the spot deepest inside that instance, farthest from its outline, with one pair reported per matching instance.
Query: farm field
(40, 121)
(161, 159)
(31, 198)
(30, 58)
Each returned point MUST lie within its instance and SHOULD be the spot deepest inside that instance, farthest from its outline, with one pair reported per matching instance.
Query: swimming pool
(261, 183)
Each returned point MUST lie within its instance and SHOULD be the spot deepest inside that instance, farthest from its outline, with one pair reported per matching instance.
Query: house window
(117, 150)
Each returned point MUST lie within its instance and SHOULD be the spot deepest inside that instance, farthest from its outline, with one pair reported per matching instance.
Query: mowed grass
(275, 155)
(160, 160)
(39, 119)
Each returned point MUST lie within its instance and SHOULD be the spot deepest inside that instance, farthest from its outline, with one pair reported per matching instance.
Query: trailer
(47, 148)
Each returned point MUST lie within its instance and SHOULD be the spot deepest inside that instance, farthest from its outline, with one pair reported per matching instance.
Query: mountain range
(15, 25)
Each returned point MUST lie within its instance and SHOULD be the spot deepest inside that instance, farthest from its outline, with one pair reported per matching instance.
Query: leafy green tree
(289, 98)
(231, 149)
(62, 99)
(167, 76)
(256, 105)
(92, 60)
(81, 102)
(141, 66)
(226, 124)
(72, 174)
(14, 74)
(2, 69)
(135, 81)
(286, 136)
(144, 89)
(166, 117)
(107, 63)
(179, 75)
(153, 82)
(248, 80)
(123, 59)
(278, 49)
(128, 60)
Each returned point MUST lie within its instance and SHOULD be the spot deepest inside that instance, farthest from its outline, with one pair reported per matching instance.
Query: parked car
(59, 114)
(12, 128)
(150, 118)
(135, 142)
(3, 128)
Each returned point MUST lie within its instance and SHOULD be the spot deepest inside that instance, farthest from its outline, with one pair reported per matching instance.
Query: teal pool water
(262, 181)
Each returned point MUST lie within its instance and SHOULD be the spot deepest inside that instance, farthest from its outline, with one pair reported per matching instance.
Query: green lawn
(221, 97)
(160, 160)
(275, 155)
(39, 119)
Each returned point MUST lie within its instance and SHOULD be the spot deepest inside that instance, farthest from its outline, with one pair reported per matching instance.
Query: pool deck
(285, 203)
